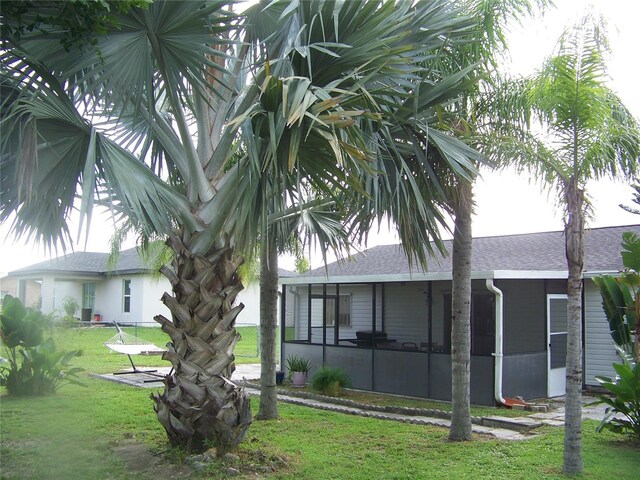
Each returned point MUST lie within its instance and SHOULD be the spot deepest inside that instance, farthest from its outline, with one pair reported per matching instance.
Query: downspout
(499, 347)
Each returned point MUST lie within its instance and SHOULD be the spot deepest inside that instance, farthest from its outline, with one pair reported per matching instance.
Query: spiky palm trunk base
(200, 406)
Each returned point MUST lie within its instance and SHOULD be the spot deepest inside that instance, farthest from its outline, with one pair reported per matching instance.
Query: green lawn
(71, 435)
(99, 359)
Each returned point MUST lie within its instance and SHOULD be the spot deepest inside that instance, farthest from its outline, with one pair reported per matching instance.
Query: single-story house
(128, 294)
(388, 325)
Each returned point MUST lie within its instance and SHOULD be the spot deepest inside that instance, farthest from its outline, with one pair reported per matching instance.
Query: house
(388, 325)
(30, 289)
(128, 294)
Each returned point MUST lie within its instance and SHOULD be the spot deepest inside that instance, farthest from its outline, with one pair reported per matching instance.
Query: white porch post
(47, 294)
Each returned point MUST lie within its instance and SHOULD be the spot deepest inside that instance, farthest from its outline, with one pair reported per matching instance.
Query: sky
(506, 203)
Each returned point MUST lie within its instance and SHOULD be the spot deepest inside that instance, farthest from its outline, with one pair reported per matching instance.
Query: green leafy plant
(34, 366)
(70, 306)
(623, 413)
(328, 379)
(298, 364)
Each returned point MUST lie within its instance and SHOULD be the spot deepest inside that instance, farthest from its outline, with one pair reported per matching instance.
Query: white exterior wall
(64, 289)
(110, 300)
(599, 349)
(152, 290)
(250, 297)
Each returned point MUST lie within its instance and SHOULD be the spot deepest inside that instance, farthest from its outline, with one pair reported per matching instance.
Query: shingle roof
(282, 273)
(525, 252)
(87, 263)
(93, 263)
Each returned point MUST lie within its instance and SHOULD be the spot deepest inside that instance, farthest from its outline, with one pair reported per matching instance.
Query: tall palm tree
(320, 60)
(170, 122)
(492, 133)
(589, 135)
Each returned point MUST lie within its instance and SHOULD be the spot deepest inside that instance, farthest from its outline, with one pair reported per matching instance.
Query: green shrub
(325, 378)
(34, 366)
(623, 413)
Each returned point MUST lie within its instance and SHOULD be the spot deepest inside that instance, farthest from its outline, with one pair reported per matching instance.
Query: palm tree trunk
(461, 311)
(268, 409)
(200, 406)
(574, 238)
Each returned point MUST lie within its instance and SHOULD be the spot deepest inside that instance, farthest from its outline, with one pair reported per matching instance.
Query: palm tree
(170, 123)
(590, 135)
(493, 134)
(394, 148)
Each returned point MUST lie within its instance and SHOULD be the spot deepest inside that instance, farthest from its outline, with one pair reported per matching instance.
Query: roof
(87, 263)
(514, 256)
(95, 264)
(282, 273)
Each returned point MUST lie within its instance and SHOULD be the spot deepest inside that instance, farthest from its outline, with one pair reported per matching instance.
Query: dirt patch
(140, 460)
(242, 464)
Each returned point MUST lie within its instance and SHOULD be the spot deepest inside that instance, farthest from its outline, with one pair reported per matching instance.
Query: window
(88, 295)
(344, 312)
(126, 296)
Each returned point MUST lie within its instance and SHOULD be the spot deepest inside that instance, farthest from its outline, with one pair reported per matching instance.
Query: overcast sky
(506, 203)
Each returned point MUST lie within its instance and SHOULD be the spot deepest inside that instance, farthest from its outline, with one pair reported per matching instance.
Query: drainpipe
(497, 387)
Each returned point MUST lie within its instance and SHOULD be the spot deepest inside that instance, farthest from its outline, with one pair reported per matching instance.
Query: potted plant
(298, 370)
(330, 380)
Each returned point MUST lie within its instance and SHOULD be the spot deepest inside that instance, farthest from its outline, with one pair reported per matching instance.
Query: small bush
(326, 377)
(623, 413)
(34, 366)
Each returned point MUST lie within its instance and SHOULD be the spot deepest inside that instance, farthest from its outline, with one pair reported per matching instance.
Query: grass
(71, 435)
(386, 399)
(97, 358)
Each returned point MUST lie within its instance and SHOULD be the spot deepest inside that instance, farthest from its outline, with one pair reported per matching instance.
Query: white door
(557, 342)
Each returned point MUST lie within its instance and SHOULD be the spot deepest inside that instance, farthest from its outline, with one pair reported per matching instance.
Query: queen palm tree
(169, 122)
(589, 135)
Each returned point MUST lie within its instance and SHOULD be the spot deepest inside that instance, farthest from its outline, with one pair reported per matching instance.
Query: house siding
(406, 312)
(152, 290)
(599, 350)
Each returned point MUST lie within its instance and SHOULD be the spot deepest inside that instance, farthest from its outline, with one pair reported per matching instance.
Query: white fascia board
(530, 274)
(615, 273)
(61, 276)
(394, 278)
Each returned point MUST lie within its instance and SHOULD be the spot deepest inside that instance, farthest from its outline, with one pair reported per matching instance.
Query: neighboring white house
(128, 294)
